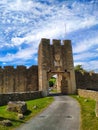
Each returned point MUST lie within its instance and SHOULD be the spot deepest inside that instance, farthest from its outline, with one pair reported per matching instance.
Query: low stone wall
(23, 96)
(88, 94)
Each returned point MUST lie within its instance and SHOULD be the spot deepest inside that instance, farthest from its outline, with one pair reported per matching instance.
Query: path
(62, 114)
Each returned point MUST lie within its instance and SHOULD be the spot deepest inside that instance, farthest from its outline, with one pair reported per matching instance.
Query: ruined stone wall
(87, 81)
(19, 79)
(22, 96)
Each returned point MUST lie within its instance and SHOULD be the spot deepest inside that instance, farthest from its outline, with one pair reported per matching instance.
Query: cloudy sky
(24, 22)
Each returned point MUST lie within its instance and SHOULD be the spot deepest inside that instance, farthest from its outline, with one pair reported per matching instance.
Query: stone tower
(56, 59)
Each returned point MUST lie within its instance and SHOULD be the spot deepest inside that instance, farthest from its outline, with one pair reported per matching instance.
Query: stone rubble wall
(23, 96)
(88, 94)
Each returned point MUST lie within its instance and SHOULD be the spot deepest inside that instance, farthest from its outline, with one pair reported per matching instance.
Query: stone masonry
(18, 79)
(87, 81)
(56, 58)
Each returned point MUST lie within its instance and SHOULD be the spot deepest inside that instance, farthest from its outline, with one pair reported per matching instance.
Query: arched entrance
(56, 59)
(62, 80)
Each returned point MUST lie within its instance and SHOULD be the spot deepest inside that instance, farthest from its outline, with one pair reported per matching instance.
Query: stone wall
(87, 81)
(19, 79)
(88, 94)
(23, 96)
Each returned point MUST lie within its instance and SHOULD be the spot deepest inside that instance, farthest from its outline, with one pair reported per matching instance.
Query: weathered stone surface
(88, 94)
(87, 81)
(20, 116)
(6, 123)
(19, 96)
(19, 79)
(56, 58)
(18, 106)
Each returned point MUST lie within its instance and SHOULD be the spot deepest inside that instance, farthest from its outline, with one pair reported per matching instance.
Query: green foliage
(89, 121)
(34, 107)
(52, 81)
(79, 68)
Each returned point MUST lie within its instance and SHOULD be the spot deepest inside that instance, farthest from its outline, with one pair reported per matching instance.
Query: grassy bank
(89, 121)
(34, 107)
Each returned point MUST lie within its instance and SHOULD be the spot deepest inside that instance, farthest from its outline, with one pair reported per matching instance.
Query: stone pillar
(72, 82)
(69, 67)
(59, 78)
(44, 61)
(45, 83)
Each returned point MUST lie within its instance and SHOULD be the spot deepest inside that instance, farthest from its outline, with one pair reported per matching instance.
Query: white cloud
(85, 56)
(27, 21)
(85, 45)
(22, 54)
(91, 65)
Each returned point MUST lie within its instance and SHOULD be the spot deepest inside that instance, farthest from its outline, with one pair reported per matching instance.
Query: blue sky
(24, 22)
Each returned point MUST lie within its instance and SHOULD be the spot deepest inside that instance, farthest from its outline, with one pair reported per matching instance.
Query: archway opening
(58, 83)
(55, 84)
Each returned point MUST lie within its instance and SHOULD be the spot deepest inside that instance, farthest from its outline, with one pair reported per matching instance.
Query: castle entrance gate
(62, 81)
(56, 58)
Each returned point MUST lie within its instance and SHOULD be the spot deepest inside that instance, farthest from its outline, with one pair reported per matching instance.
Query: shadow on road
(56, 94)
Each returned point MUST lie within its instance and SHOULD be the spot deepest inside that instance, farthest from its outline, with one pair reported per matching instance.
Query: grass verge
(89, 121)
(34, 107)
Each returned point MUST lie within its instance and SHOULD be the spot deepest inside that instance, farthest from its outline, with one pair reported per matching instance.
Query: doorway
(58, 83)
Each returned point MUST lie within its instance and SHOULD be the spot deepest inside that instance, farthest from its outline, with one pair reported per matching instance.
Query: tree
(79, 68)
(52, 81)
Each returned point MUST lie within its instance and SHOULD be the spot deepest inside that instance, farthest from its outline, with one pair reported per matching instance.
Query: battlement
(8, 67)
(56, 42)
(45, 41)
(21, 67)
(67, 43)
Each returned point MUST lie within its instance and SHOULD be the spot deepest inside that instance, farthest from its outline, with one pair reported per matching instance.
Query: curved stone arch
(49, 75)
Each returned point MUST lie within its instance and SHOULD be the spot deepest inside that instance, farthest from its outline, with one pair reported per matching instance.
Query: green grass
(54, 91)
(89, 121)
(40, 104)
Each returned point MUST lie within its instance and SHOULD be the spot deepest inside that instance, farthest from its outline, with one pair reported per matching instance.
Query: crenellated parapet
(57, 55)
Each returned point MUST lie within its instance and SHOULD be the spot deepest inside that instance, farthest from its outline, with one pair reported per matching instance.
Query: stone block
(17, 106)
(6, 123)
